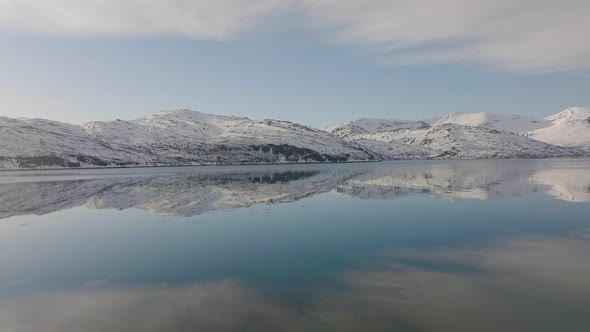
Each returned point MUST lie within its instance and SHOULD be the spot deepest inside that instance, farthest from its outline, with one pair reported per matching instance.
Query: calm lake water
(500, 245)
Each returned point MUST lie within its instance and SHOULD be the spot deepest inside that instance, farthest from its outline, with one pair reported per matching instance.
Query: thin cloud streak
(523, 35)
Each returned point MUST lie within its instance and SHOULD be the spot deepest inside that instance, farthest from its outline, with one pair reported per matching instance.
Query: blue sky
(311, 68)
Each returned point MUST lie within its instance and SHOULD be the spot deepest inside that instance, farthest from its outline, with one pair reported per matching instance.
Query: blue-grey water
(497, 245)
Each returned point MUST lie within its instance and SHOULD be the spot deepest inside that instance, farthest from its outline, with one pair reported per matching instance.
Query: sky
(316, 62)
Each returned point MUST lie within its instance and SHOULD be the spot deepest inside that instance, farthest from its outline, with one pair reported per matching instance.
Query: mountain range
(185, 137)
(473, 136)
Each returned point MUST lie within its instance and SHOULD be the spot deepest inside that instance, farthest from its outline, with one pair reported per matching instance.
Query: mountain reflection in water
(188, 194)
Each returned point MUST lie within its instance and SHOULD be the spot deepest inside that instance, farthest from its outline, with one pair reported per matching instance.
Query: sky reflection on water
(408, 246)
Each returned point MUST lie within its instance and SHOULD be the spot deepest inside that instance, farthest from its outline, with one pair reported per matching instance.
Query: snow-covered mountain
(467, 136)
(190, 136)
(35, 142)
(181, 137)
(569, 128)
(509, 123)
(450, 141)
(185, 137)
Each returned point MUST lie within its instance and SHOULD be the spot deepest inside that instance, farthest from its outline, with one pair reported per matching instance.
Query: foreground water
(501, 245)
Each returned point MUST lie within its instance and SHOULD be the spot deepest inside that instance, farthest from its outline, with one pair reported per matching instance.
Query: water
(501, 245)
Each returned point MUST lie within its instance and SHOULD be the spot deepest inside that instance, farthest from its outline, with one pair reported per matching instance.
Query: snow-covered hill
(478, 135)
(26, 143)
(374, 126)
(185, 137)
(509, 123)
(450, 141)
(168, 138)
(194, 137)
(569, 128)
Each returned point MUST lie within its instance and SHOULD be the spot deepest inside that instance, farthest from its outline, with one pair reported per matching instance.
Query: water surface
(499, 245)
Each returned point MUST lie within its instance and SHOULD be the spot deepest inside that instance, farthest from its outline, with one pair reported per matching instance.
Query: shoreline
(188, 165)
(278, 164)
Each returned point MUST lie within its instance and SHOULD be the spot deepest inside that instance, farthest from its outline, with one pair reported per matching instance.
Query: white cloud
(209, 19)
(526, 35)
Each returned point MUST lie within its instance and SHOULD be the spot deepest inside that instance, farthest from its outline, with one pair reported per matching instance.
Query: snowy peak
(374, 126)
(184, 112)
(476, 135)
(181, 137)
(189, 116)
(571, 114)
(568, 128)
(508, 123)
(185, 137)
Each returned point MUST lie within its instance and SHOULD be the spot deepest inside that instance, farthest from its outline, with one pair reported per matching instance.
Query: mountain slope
(466, 142)
(186, 137)
(373, 126)
(569, 128)
(444, 140)
(168, 138)
(509, 123)
(28, 143)
(194, 137)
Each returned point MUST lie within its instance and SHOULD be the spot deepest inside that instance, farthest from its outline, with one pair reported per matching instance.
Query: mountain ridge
(186, 137)
(566, 133)
(168, 138)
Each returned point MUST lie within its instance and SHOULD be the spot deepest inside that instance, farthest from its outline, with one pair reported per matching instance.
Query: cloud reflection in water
(531, 283)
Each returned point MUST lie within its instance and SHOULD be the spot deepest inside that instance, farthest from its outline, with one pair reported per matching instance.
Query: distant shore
(278, 164)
